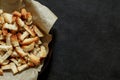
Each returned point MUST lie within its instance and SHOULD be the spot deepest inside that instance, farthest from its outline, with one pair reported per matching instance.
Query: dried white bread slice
(1, 71)
(23, 67)
(10, 26)
(29, 47)
(5, 62)
(20, 22)
(37, 31)
(23, 36)
(15, 61)
(13, 68)
(20, 51)
(1, 11)
(16, 13)
(34, 59)
(1, 20)
(14, 40)
(1, 37)
(14, 54)
(8, 39)
(23, 13)
(29, 40)
(5, 56)
(43, 52)
(7, 17)
(27, 28)
(5, 47)
(6, 67)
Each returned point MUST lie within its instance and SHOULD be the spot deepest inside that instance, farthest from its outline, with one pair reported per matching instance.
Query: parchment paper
(43, 18)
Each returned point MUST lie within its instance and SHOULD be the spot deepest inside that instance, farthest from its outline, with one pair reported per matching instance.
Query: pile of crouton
(20, 44)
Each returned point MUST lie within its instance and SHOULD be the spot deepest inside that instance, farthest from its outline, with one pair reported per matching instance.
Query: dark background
(86, 43)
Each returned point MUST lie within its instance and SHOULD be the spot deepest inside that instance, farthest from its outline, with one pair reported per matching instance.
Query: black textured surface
(86, 40)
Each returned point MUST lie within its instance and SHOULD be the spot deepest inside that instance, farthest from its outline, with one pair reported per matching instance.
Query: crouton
(6, 67)
(7, 17)
(16, 13)
(37, 31)
(27, 28)
(29, 40)
(23, 36)
(20, 51)
(13, 68)
(34, 59)
(29, 47)
(14, 41)
(24, 13)
(23, 67)
(10, 26)
(8, 39)
(20, 22)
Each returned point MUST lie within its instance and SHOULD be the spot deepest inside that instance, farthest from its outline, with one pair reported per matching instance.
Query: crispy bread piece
(13, 68)
(27, 28)
(29, 47)
(8, 39)
(1, 20)
(5, 47)
(15, 61)
(5, 56)
(34, 59)
(20, 22)
(1, 11)
(10, 26)
(23, 36)
(29, 40)
(37, 31)
(1, 72)
(14, 54)
(20, 51)
(23, 67)
(5, 62)
(7, 17)
(23, 13)
(14, 40)
(4, 31)
(16, 13)
(6, 67)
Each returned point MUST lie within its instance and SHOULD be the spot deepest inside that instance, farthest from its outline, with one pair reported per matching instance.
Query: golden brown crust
(29, 40)
(27, 28)
(14, 40)
(16, 13)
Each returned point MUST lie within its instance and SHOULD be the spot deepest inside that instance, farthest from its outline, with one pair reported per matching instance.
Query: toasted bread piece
(14, 40)
(34, 59)
(1, 37)
(23, 13)
(1, 11)
(6, 67)
(13, 68)
(20, 22)
(5, 47)
(20, 51)
(23, 36)
(14, 18)
(31, 64)
(1, 72)
(23, 67)
(7, 17)
(43, 52)
(29, 18)
(10, 26)
(15, 61)
(1, 20)
(29, 40)
(27, 28)
(8, 39)
(5, 62)
(37, 31)
(14, 54)
(5, 56)
(16, 13)
(4, 31)
(29, 47)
